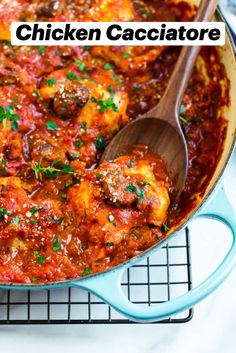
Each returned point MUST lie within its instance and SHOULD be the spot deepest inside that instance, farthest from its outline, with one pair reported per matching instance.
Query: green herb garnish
(3, 212)
(139, 192)
(8, 114)
(51, 126)
(56, 244)
(126, 55)
(130, 188)
(71, 76)
(40, 259)
(33, 221)
(79, 143)
(41, 49)
(100, 143)
(109, 243)
(109, 66)
(34, 210)
(165, 227)
(58, 220)
(51, 81)
(4, 171)
(83, 125)
(80, 64)
(86, 271)
(106, 104)
(50, 172)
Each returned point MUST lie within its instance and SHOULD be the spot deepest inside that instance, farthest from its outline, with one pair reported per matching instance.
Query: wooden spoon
(160, 129)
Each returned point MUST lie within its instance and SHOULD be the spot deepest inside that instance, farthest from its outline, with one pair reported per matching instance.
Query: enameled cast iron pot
(214, 204)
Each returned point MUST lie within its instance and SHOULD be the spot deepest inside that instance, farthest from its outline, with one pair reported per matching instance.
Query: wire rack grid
(161, 277)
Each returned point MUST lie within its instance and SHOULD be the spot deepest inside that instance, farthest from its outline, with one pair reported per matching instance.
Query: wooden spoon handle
(171, 99)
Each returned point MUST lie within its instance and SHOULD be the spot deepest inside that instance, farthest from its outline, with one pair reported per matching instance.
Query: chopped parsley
(51, 126)
(8, 114)
(86, 47)
(189, 120)
(183, 121)
(41, 49)
(3, 212)
(139, 192)
(147, 183)
(51, 81)
(165, 227)
(98, 176)
(109, 66)
(109, 243)
(56, 244)
(58, 220)
(34, 210)
(126, 55)
(106, 104)
(63, 197)
(37, 94)
(80, 64)
(136, 235)
(130, 188)
(4, 171)
(100, 143)
(86, 271)
(71, 76)
(33, 221)
(83, 125)
(40, 259)
(79, 143)
(35, 252)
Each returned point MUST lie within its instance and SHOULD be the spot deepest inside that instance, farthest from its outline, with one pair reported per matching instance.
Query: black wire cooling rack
(163, 276)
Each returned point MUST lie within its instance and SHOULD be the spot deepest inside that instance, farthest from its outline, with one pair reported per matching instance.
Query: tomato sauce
(62, 215)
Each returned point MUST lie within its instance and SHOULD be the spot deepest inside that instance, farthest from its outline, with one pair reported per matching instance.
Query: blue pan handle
(107, 286)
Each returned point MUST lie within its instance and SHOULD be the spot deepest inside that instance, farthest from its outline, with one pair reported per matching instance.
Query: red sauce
(59, 106)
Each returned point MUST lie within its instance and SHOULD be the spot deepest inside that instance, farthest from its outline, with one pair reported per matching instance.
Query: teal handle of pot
(107, 286)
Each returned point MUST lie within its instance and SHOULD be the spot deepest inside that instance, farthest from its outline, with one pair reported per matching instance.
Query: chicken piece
(129, 183)
(84, 199)
(104, 113)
